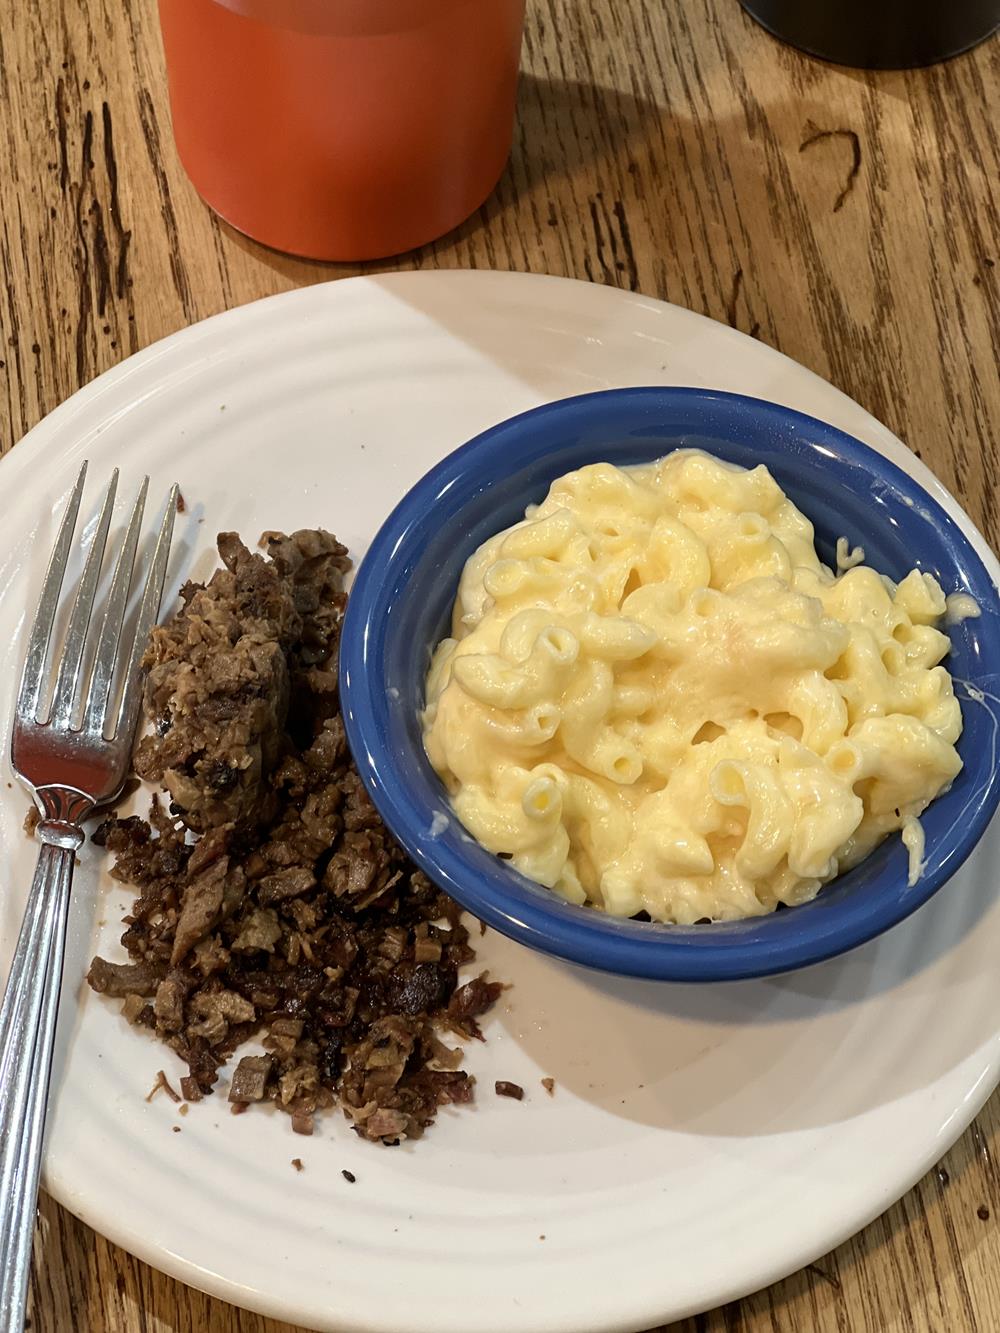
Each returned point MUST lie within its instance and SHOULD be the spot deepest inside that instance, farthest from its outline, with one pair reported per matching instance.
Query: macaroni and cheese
(657, 698)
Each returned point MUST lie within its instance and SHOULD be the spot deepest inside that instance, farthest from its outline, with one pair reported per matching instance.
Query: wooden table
(848, 218)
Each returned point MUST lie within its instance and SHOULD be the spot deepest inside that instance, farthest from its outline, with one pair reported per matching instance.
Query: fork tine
(71, 668)
(148, 610)
(95, 712)
(41, 630)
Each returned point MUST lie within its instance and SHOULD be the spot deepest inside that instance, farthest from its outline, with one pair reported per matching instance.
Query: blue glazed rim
(627, 425)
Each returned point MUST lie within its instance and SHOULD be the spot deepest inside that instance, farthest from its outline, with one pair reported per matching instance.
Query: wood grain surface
(847, 218)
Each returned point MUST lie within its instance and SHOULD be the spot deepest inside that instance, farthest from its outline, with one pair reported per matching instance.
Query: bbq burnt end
(223, 670)
(292, 914)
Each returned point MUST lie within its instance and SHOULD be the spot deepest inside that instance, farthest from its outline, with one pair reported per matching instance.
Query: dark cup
(878, 34)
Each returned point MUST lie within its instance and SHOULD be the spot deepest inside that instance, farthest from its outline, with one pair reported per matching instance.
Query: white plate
(701, 1142)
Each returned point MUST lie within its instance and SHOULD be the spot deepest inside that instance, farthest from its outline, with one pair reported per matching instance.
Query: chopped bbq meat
(470, 1002)
(271, 898)
(121, 979)
(133, 1007)
(250, 1079)
(162, 1082)
(168, 1006)
(190, 1089)
(503, 1088)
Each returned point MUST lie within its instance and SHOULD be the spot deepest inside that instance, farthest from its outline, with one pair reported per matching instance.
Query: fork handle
(27, 1035)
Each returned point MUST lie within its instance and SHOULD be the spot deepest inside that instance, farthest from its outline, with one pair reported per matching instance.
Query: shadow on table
(749, 213)
(564, 128)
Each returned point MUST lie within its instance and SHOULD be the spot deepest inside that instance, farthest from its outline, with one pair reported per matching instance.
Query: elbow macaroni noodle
(656, 698)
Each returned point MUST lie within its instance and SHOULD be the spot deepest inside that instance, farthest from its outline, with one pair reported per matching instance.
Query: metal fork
(72, 756)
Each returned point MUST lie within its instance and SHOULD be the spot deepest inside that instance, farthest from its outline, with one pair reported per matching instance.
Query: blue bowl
(400, 608)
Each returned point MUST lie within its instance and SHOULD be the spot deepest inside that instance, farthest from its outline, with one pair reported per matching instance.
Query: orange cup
(343, 129)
